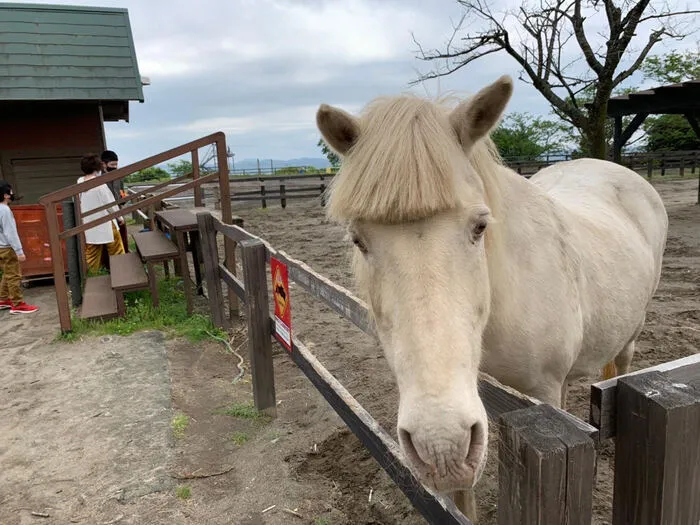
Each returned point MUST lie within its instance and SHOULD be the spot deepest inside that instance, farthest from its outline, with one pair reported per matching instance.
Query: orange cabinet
(34, 234)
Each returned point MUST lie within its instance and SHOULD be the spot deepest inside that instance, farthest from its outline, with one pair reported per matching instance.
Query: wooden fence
(282, 188)
(546, 455)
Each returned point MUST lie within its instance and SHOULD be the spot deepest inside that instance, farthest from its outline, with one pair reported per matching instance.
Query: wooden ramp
(99, 300)
(103, 297)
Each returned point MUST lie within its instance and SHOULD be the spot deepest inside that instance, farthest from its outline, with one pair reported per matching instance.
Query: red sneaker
(5, 304)
(23, 308)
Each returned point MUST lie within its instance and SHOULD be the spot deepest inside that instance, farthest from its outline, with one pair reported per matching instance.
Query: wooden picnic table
(182, 224)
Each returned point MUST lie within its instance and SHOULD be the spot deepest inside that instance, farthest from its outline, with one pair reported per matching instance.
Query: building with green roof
(64, 71)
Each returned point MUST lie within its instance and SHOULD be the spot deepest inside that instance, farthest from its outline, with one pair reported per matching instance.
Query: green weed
(239, 438)
(179, 424)
(183, 492)
(170, 317)
(243, 411)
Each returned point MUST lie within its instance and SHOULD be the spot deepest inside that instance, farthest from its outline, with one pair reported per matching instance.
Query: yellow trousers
(93, 252)
(11, 284)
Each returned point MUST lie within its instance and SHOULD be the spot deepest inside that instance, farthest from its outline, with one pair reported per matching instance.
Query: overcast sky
(258, 69)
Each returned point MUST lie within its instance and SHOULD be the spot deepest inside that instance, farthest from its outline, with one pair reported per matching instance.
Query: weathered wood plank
(603, 394)
(211, 269)
(546, 469)
(232, 281)
(433, 507)
(259, 338)
(657, 451)
(233, 232)
(338, 298)
(500, 399)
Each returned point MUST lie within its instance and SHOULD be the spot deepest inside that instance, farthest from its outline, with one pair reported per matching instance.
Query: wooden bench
(128, 274)
(154, 247)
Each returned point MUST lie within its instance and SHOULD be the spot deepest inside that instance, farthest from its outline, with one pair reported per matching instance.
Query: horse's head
(417, 213)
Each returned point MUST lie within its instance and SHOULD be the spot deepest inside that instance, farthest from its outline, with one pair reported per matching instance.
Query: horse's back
(602, 191)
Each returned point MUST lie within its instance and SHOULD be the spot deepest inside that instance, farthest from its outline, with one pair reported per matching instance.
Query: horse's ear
(339, 129)
(477, 116)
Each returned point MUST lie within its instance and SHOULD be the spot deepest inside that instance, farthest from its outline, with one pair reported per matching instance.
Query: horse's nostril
(477, 440)
(410, 449)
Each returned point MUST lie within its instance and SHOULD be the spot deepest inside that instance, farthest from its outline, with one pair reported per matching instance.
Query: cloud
(239, 33)
(258, 69)
(300, 118)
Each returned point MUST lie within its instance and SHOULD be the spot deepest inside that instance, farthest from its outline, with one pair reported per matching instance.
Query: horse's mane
(407, 163)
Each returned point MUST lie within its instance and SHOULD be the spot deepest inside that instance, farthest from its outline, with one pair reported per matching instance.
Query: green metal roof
(56, 52)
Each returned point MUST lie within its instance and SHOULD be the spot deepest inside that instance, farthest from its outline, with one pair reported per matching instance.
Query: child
(103, 234)
(11, 255)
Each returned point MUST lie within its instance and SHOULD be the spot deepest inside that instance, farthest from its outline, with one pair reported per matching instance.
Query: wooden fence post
(233, 302)
(72, 254)
(546, 469)
(197, 190)
(210, 254)
(283, 196)
(657, 451)
(259, 333)
(663, 164)
(262, 196)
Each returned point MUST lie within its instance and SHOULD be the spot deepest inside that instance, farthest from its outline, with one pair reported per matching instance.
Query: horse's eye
(358, 242)
(479, 229)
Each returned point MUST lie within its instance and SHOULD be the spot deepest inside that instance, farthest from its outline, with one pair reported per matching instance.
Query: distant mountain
(252, 164)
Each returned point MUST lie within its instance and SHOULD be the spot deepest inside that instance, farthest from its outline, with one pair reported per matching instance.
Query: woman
(104, 234)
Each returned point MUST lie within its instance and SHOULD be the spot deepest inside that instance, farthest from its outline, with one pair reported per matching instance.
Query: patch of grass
(243, 411)
(101, 271)
(322, 521)
(179, 424)
(183, 492)
(170, 317)
(239, 438)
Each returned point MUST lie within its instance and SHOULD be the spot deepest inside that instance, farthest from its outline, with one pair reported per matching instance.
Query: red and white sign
(283, 311)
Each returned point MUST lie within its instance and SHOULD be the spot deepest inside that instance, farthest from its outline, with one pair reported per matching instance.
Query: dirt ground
(85, 427)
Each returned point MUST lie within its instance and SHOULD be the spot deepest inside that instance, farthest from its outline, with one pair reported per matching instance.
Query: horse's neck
(521, 210)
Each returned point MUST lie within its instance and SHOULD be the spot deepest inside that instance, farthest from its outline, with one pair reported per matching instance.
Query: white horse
(466, 265)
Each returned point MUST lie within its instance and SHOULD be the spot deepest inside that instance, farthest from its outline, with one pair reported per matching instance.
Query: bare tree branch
(577, 22)
(542, 36)
(654, 38)
(668, 15)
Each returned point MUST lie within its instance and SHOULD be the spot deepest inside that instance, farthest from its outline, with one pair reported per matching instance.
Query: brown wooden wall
(41, 144)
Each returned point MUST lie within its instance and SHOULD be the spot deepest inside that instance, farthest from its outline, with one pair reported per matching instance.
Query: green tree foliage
(673, 67)
(148, 174)
(527, 136)
(671, 132)
(180, 167)
(295, 170)
(332, 157)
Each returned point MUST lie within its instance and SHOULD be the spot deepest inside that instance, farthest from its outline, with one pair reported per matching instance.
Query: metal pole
(73, 254)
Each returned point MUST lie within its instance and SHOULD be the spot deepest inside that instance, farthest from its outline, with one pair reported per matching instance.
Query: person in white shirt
(104, 234)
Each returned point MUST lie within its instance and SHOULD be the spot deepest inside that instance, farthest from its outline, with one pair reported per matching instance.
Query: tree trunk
(596, 132)
(595, 135)
(597, 143)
